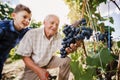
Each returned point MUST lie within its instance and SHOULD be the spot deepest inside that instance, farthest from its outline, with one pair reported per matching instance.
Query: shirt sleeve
(25, 45)
(1, 33)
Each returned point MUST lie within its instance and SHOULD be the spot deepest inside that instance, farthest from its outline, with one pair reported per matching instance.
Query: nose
(28, 20)
(55, 26)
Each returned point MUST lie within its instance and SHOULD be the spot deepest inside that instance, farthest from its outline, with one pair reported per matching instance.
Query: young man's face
(51, 26)
(21, 19)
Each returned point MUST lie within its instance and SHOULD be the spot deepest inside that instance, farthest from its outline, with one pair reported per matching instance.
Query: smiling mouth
(25, 24)
(53, 29)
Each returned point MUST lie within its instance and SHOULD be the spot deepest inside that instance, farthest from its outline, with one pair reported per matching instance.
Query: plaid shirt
(38, 47)
(9, 37)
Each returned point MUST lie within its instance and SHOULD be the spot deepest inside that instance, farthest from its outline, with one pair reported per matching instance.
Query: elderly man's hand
(73, 47)
(78, 43)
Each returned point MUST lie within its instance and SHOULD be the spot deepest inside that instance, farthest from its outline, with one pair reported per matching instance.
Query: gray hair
(49, 16)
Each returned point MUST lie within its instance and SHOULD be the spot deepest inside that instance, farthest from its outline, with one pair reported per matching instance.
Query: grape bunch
(105, 37)
(73, 34)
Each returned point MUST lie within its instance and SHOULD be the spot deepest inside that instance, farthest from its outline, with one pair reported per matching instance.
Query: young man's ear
(13, 15)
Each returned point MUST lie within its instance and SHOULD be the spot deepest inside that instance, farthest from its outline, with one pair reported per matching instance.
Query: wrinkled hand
(78, 43)
(44, 74)
(73, 47)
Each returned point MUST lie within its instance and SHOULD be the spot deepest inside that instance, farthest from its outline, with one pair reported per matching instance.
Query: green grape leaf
(88, 74)
(100, 59)
(80, 73)
(76, 69)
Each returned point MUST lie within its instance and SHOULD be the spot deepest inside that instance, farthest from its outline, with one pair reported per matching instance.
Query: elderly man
(37, 48)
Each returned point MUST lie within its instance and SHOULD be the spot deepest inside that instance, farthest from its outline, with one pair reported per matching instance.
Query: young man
(37, 50)
(12, 31)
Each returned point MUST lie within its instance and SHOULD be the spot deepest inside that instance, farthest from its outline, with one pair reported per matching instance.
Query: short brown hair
(21, 7)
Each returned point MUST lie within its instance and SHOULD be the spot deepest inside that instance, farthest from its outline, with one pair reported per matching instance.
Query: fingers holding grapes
(72, 48)
(78, 43)
(68, 50)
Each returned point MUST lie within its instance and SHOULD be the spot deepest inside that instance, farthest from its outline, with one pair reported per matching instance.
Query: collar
(12, 27)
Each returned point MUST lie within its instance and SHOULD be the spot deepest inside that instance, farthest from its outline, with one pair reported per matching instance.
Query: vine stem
(106, 72)
(83, 11)
(100, 58)
(84, 48)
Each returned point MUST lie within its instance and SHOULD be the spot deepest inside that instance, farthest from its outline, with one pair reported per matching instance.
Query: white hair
(49, 16)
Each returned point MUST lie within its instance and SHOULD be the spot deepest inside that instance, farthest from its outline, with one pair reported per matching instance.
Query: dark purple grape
(83, 21)
(105, 37)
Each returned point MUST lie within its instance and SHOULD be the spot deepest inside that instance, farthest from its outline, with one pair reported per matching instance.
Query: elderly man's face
(51, 26)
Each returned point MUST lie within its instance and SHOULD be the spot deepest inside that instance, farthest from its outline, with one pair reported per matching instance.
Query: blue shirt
(9, 37)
